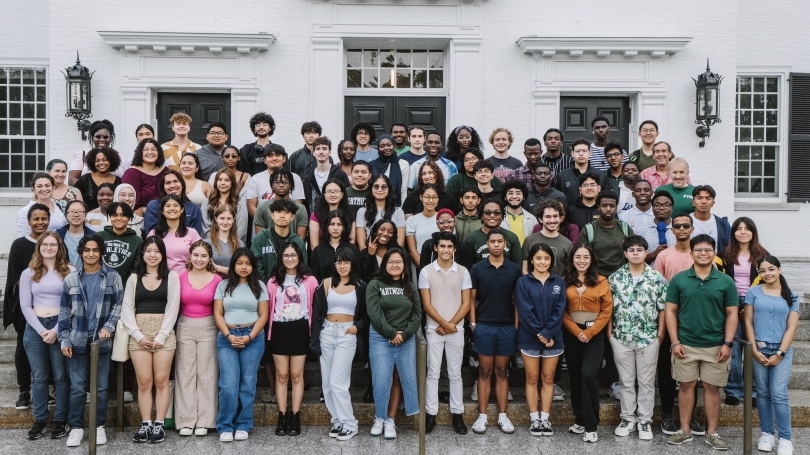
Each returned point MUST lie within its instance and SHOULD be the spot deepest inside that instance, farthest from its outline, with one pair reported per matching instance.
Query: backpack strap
(589, 232)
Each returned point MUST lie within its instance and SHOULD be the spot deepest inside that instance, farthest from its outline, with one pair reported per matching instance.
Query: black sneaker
(698, 430)
(143, 433)
(59, 429)
(336, 428)
(158, 434)
(38, 429)
(24, 401)
(731, 400)
(668, 425)
(535, 429)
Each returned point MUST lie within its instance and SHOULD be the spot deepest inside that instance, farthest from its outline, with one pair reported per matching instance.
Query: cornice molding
(574, 47)
(215, 43)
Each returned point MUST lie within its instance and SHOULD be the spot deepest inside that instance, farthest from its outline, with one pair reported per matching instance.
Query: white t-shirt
(291, 301)
(705, 227)
(421, 227)
(77, 163)
(626, 200)
(258, 187)
(398, 218)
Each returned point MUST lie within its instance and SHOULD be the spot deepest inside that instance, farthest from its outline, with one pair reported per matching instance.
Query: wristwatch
(729, 344)
(780, 353)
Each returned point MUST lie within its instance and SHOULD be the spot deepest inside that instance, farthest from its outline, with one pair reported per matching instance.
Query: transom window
(22, 124)
(397, 68)
(757, 135)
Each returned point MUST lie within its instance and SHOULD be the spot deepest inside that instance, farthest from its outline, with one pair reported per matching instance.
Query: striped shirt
(598, 159)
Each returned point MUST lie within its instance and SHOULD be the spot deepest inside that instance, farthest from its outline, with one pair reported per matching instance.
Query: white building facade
(491, 63)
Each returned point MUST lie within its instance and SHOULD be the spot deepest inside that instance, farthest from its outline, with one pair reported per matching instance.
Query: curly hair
(262, 117)
(112, 156)
(501, 130)
(453, 152)
(372, 135)
(437, 171)
(137, 157)
(204, 245)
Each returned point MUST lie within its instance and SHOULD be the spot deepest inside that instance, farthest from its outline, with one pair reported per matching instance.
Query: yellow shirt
(172, 153)
(516, 225)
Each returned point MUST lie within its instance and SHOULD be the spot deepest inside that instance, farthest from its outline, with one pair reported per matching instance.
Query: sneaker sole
(21, 407)
(481, 431)
(668, 432)
(35, 436)
(713, 447)
(58, 436)
(536, 433)
(156, 441)
(576, 432)
(643, 438)
(139, 441)
(344, 438)
(390, 438)
(507, 431)
(679, 443)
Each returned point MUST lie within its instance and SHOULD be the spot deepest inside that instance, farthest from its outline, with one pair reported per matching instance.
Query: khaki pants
(636, 364)
(196, 373)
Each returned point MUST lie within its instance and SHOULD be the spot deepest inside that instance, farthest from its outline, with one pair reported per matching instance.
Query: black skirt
(290, 338)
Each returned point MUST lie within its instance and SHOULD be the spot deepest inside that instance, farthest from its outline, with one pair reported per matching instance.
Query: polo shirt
(445, 288)
(495, 292)
(477, 240)
(702, 306)
(682, 197)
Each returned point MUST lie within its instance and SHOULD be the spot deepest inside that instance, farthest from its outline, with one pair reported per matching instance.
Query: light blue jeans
(46, 360)
(772, 392)
(337, 353)
(383, 357)
(238, 369)
(736, 386)
(78, 368)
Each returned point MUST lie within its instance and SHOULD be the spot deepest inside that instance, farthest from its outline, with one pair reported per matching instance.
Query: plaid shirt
(73, 324)
(521, 174)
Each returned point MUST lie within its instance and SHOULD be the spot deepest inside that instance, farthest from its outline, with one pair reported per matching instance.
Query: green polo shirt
(682, 197)
(702, 306)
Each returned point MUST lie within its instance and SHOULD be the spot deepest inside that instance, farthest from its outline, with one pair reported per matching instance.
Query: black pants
(584, 361)
(611, 373)
(20, 358)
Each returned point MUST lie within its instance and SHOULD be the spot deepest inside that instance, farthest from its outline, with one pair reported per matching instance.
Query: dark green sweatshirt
(389, 310)
(121, 252)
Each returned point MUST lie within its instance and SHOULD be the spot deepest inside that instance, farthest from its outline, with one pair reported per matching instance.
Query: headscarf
(384, 163)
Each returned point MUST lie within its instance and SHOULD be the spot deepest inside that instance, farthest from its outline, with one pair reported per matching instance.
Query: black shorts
(288, 338)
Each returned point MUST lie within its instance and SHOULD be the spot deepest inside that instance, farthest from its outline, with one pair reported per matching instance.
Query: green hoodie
(265, 247)
(465, 224)
(121, 252)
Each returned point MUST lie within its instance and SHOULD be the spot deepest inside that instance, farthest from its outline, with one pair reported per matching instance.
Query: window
(757, 136)
(399, 68)
(22, 124)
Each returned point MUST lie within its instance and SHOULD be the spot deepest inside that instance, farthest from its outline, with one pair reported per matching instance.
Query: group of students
(356, 256)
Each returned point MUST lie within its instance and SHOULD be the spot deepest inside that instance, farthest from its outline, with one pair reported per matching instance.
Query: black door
(576, 114)
(203, 108)
(383, 111)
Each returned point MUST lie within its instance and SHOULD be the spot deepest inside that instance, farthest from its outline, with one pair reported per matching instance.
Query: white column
(546, 112)
(465, 101)
(244, 103)
(652, 106)
(135, 110)
(326, 91)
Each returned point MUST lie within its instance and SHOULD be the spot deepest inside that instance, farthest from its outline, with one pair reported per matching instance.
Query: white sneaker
(474, 394)
(377, 428)
(590, 436)
(509, 396)
(518, 359)
(625, 428)
(766, 442)
(269, 396)
(559, 395)
(390, 429)
(576, 429)
(241, 435)
(615, 391)
(480, 425)
(101, 436)
(75, 437)
(186, 431)
(226, 437)
(785, 447)
(506, 425)
(645, 431)
(87, 400)
(128, 398)
(200, 431)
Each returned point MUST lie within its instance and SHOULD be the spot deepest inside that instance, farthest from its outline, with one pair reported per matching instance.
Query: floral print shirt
(636, 305)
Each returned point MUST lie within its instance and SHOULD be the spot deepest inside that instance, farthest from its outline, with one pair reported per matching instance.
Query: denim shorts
(492, 340)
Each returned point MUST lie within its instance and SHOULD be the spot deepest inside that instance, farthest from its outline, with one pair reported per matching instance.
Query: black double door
(204, 108)
(383, 111)
(577, 112)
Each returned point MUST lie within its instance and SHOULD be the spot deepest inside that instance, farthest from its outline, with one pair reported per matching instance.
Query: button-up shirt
(637, 304)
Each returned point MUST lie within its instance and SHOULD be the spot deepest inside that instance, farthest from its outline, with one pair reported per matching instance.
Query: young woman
(421, 226)
(195, 399)
(590, 306)
(346, 151)
(334, 198)
(462, 138)
(322, 259)
(770, 327)
(338, 314)
(40, 296)
(197, 190)
(429, 174)
(389, 164)
(291, 290)
(98, 218)
(126, 193)
(223, 238)
(540, 304)
(42, 187)
(382, 205)
(102, 162)
(101, 134)
(61, 193)
(395, 313)
(144, 131)
(231, 157)
(149, 311)
(145, 173)
(384, 235)
(225, 192)
(240, 312)
(173, 230)
(76, 228)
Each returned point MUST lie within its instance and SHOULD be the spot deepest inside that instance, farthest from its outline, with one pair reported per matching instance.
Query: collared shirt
(495, 292)
(172, 153)
(636, 218)
(702, 306)
(771, 313)
(658, 179)
(447, 167)
(445, 288)
(637, 304)
(598, 159)
(74, 312)
(515, 224)
(521, 174)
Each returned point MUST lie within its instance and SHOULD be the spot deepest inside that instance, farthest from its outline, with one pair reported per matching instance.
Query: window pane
(14, 93)
(3, 94)
(3, 128)
(15, 110)
(742, 185)
(419, 59)
(745, 135)
(771, 117)
(742, 168)
(403, 78)
(28, 110)
(756, 168)
(403, 59)
(745, 117)
(773, 84)
(436, 78)
(40, 76)
(419, 78)
(354, 58)
(387, 78)
(371, 78)
(759, 134)
(770, 153)
(14, 76)
(772, 100)
(387, 59)
(354, 78)
(28, 128)
(3, 110)
(743, 84)
(41, 131)
(40, 111)
(370, 58)
(769, 186)
(436, 59)
(745, 102)
(41, 94)
(769, 168)
(759, 84)
(770, 135)
(759, 101)
(759, 118)
(3, 76)
(743, 152)
(756, 153)
(28, 76)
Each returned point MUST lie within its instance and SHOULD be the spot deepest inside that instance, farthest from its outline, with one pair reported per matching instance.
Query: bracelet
(251, 338)
(675, 344)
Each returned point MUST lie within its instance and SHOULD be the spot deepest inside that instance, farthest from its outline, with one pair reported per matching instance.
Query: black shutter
(799, 143)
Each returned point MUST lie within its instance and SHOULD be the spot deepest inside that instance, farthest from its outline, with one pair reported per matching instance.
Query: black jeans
(584, 361)
(20, 358)
(611, 374)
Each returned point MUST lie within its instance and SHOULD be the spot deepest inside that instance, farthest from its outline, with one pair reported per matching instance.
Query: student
(641, 215)
(389, 164)
(601, 131)
(62, 193)
(126, 193)
(122, 245)
(680, 188)
(658, 232)
(590, 305)
(643, 157)
(89, 311)
(614, 157)
(446, 222)
(42, 186)
(399, 131)
(416, 139)
(770, 325)
(494, 323)
(554, 157)
(705, 221)
(172, 183)
(467, 220)
(701, 319)
(395, 313)
(434, 148)
(223, 238)
(384, 235)
(445, 290)
(420, 227)
(678, 257)
(196, 367)
(180, 144)
(346, 151)
(98, 218)
(146, 174)
(635, 332)
(197, 190)
(76, 228)
(467, 175)
(149, 312)
(259, 188)
(517, 220)
(429, 174)
(282, 182)
(251, 156)
(462, 138)
(501, 140)
(322, 173)
(101, 162)
(541, 189)
(625, 190)
(492, 214)
(532, 149)
(336, 236)
(359, 190)
(606, 235)
(585, 209)
(101, 134)
(338, 316)
(483, 172)
(40, 294)
(290, 289)
(658, 175)
(334, 198)
(381, 204)
(231, 159)
(175, 232)
(240, 313)
(540, 303)
(210, 154)
(267, 243)
(363, 134)
(301, 161)
(551, 215)
(568, 181)
(224, 193)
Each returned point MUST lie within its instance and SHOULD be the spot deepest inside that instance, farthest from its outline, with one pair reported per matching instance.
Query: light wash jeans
(736, 386)
(337, 353)
(238, 369)
(383, 357)
(453, 346)
(772, 396)
(46, 360)
(636, 364)
(78, 368)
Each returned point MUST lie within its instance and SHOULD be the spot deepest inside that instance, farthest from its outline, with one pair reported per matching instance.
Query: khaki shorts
(149, 327)
(701, 363)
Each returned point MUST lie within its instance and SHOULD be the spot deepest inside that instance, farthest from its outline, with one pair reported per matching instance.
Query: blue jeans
(772, 398)
(238, 369)
(46, 360)
(337, 353)
(736, 386)
(78, 368)
(383, 357)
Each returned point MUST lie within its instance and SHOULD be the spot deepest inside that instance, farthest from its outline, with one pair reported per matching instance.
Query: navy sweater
(540, 310)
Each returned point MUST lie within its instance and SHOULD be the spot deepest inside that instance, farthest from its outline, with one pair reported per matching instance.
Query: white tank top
(196, 195)
(341, 303)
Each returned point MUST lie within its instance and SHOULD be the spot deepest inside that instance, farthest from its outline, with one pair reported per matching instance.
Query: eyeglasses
(76, 212)
(492, 213)
(471, 159)
(662, 206)
(216, 133)
(648, 131)
(379, 187)
(589, 185)
(49, 245)
(681, 226)
(332, 192)
(612, 155)
(362, 133)
(343, 263)
(430, 198)
(101, 137)
(464, 138)
(703, 250)
(395, 262)
(636, 250)
(290, 256)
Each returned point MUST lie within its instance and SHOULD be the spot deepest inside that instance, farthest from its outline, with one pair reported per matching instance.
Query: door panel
(204, 108)
(383, 111)
(378, 111)
(576, 114)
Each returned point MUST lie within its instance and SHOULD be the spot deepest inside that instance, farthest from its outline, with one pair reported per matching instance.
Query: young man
(363, 135)
(258, 188)
(584, 210)
(172, 182)
(680, 189)
(346, 155)
(492, 212)
(707, 223)
(493, 321)
(701, 320)
(629, 179)
(467, 219)
(613, 155)
(567, 181)
(643, 157)
(301, 161)
(282, 182)
(267, 244)
(501, 140)
(635, 335)
(641, 214)
(484, 173)
(520, 222)
(416, 138)
(554, 157)
(251, 160)
(658, 232)
(90, 309)
(446, 222)
(551, 214)
(531, 151)
(606, 235)
(541, 189)
(323, 171)
(399, 131)
(121, 244)
(601, 132)
(445, 286)
(458, 182)
(210, 155)
(180, 144)
(678, 257)
(358, 191)
(434, 148)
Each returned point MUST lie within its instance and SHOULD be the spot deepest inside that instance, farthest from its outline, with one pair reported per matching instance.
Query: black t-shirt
(495, 292)
(251, 159)
(503, 166)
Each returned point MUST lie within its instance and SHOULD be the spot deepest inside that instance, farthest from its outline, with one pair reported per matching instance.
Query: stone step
(803, 332)
(7, 348)
(804, 309)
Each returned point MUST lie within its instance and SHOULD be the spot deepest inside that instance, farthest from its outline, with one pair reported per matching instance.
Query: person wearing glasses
(101, 134)
(491, 213)
(73, 232)
(181, 143)
(601, 131)
(658, 232)
(614, 157)
(584, 209)
(381, 205)
(363, 135)
(568, 181)
(420, 227)
(251, 155)
(210, 155)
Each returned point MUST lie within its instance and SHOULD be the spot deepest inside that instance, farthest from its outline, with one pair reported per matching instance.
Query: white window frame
(398, 92)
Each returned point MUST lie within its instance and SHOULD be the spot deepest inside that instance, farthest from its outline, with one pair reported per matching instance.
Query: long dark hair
(437, 171)
(163, 225)
(453, 152)
(301, 270)
(570, 274)
(183, 197)
(347, 227)
(198, 173)
(731, 255)
(322, 207)
(137, 157)
(345, 254)
(163, 267)
(376, 227)
(534, 249)
(787, 294)
(383, 275)
(233, 193)
(390, 201)
(252, 280)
